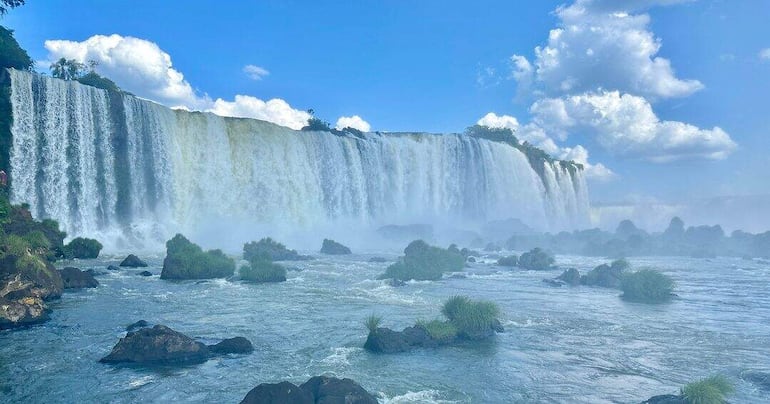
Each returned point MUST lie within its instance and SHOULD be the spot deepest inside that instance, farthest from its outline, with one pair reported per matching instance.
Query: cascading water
(120, 168)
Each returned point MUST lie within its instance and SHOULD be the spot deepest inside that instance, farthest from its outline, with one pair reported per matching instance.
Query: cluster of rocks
(604, 275)
(384, 340)
(318, 389)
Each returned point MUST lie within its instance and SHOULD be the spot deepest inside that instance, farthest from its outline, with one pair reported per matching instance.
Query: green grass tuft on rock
(712, 390)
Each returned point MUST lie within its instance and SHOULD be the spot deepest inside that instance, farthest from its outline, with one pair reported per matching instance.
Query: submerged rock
(759, 379)
(158, 345)
(237, 345)
(332, 247)
(113, 268)
(553, 282)
(145, 273)
(317, 390)
(74, 278)
(138, 324)
(132, 261)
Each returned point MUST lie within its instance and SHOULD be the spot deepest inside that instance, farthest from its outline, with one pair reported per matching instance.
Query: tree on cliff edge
(6, 4)
(11, 54)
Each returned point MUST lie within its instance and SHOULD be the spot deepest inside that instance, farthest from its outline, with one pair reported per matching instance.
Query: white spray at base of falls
(129, 171)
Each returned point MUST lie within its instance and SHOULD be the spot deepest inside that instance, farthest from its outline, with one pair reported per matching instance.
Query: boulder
(237, 345)
(665, 399)
(95, 272)
(145, 273)
(74, 278)
(138, 324)
(607, 276)
(113, 268)
(278, 393)
(331, 390)
(385, 340)
(536, 260)
(186, 260)
(26, 281)
(158, 345)
(82, 248)
(132, 261)
(332, 247)
(471, 259)
(22, 312)
(570, 277)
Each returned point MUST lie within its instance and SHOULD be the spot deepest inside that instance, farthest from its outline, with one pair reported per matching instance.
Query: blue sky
(688, 119)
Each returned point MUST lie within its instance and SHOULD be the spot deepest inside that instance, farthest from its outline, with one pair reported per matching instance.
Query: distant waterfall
(116, 166)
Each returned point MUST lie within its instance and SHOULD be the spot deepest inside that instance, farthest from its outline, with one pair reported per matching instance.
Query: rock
(95, 272)
(385, 340)
(271, 249)
(665, 399)
(74, 278)
(145, 273)
(570, 277)
(22, 312)
(82, 248)
(607, 276)
(424, 262)
(158, 345)
(536, 260)
(396, 283)
(132, 261)
(497, 326)
(332, 247)
(759, 379)
(471, 259)
(186, 260)
(418, 337)
(509, 261)
(237, 345)
(377, 259)
(553, 282)
(138, 324)
(278, 393)
(331, 390)
(26, 281)
(113, 268)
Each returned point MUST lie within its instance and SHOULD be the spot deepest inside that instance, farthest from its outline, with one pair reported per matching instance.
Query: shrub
(37, 240)
(316, 124)
(186, 260)
(711, 390)
(503, 135)
(84, 248)
(472, 319)
(11, 54)
(536, 259)
(509, 261)
(373, 322)
(93, 79)
(647, 285)
(263, 270)
(274, 250)
(442, 331)
(424, 262)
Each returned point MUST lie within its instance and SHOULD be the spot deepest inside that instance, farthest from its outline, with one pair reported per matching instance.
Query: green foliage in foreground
(263, 270)
(647, 286)
(424, 262)
(711, 390)
(186, 260)
(537, 260)
(472, 319)
(82, 248)
(442, 331)
(373, 322)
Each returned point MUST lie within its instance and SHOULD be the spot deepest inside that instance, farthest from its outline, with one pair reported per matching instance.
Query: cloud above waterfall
(143, 68)
(599, 44)
(355, 122)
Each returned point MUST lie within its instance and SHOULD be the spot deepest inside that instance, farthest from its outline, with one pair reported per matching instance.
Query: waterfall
(117, 167)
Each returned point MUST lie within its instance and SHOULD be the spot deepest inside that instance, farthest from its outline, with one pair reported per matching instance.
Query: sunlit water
(563, 344)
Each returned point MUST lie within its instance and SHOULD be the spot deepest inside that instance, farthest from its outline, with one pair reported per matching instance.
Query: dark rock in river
(331, 390)
(26, 281)
(25, 311)
(759, 379)
(132, 261)
(607, 276)
(570, 277)
(237, 345)
(138, 324)
(158, 345)
(471, 259)
(385, 340)
(278, 393)
(666, 399)
(145, 273)
(553, 282)
(95, 272)
(186, 260)
(332, 247)
(74, 278)
(113, 268)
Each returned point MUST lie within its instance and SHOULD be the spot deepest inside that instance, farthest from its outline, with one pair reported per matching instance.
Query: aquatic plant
(373, 322)
(711, 390)
(472, 319)
(536, 259)
(424, 262)
(186, 260)
(442, 331)
(647, 286)
(83, 248)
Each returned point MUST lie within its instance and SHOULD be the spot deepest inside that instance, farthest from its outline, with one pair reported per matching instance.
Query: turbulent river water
(570, 345)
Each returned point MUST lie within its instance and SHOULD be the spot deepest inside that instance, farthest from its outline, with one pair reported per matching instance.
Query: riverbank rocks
(185, 260)
(331, 247)
(132, 261)
(163, 346)
(317, 390)
(74, 278)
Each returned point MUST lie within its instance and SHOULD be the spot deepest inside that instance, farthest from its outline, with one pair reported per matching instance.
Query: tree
(11, 54)
(67, 69)
(6, 4)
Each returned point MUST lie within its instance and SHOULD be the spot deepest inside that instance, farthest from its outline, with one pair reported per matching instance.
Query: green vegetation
(424, 262)
(82, 248)
(503, 135)
(185, 260)
(373, 322)
(11, 54)
(262, 269)
(711, 390)
(44, 237)
(441, 331)
(509, 261)
(647, 286)
(537, 260)
(93, 79)
(332, 247)
(67, 69)
(6, 4)
(472, 319)
(316, 124)
(272, 249)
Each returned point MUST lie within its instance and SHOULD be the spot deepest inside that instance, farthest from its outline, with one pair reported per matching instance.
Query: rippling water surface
(565, 344)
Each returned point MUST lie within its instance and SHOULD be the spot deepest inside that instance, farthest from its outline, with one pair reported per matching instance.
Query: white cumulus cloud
(626, 125)
(355, 122)
(276, 110)
(255, 72)
(493, 120)
(579, 154)
(598, 44)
